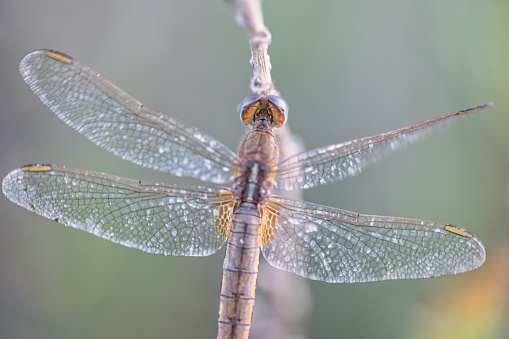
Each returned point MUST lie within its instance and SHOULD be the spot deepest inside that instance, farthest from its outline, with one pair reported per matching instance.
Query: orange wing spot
(36, 168)
(458, 231)
(269, 224)
(223, 221)
(59, 56)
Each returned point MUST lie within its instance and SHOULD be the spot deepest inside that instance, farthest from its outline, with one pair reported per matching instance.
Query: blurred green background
(348, 69)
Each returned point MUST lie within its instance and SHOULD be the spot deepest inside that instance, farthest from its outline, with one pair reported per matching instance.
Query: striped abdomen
(240, 270)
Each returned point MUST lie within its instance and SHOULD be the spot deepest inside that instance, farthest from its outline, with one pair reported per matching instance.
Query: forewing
(337, 162)
(117, 122)
(333, 245)
(157, 218)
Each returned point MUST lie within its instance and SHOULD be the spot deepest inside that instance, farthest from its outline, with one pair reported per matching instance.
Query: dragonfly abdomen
(240, 271)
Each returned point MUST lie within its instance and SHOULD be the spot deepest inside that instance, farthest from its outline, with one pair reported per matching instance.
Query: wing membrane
(117, 122)
(334, 245)
(337, 162)
(157, 218)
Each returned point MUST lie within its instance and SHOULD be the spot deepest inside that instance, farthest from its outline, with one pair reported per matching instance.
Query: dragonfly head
(254, 104)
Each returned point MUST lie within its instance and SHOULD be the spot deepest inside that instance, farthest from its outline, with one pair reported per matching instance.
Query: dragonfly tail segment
(240, 272)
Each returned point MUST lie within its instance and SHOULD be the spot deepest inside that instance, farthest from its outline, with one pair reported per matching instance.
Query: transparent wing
(117, 122)
(337, 162)
(333, 245)
(153, 217)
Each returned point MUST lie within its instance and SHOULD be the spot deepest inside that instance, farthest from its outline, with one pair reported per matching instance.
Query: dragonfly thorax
(258, 156)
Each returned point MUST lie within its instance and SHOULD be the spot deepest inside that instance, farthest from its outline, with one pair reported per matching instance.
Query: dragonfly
(313, 241)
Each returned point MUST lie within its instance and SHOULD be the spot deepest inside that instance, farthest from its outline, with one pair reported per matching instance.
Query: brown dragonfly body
(258, 156)
(314, 241)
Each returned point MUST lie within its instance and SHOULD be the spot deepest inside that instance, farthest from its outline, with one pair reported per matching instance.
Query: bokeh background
(348, 69)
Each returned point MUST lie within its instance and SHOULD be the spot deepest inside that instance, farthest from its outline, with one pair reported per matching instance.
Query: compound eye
(281, 106)
(247, 109)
